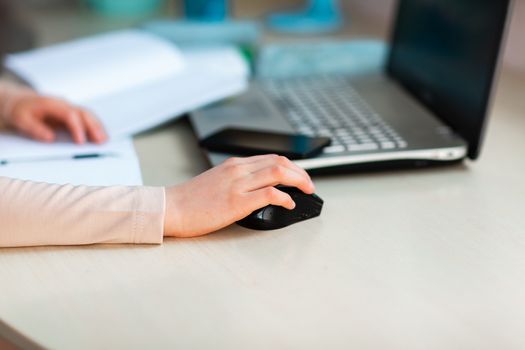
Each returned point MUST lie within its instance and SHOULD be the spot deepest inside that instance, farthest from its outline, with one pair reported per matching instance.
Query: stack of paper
(131, 81)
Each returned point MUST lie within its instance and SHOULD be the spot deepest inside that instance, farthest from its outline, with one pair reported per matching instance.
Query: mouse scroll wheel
(260, 215)
(266, 214)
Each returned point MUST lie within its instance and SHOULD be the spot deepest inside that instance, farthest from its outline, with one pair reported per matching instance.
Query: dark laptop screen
(445, 52)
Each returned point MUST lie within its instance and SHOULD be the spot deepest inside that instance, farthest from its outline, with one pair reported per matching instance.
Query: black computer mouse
(273, 217)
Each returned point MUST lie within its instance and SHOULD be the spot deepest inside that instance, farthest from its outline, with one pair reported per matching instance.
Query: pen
(47, 159)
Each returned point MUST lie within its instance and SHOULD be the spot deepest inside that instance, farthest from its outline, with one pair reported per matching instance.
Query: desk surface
(427, 259)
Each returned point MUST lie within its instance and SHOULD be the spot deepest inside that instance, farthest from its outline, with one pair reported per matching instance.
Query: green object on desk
(245, 35)
(125, 7)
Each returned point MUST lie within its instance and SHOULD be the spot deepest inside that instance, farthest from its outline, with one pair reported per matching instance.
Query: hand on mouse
(38, 117)
(230, 192)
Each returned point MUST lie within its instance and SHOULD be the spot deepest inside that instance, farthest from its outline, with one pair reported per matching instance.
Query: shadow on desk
(9, 337)
(394, 169)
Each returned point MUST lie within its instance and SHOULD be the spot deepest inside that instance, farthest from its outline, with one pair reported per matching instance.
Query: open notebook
(63, 162)
(132, 80)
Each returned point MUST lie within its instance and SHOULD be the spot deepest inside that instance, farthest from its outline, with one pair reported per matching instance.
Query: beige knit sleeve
(34, 214)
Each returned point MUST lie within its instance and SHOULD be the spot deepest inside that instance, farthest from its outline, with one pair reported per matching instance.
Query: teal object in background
(196, 33)
(206, 10)
(126, 7)
(348, 58)
(320, 16)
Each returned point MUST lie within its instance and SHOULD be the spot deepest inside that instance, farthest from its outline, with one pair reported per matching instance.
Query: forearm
(33, 214)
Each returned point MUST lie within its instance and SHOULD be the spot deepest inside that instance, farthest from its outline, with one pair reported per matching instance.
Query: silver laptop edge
(428, 138)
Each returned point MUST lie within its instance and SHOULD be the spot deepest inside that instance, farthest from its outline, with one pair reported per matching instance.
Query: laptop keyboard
(331, 107)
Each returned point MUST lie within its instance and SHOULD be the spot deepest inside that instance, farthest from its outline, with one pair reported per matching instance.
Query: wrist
(10, 96)
(172, 218)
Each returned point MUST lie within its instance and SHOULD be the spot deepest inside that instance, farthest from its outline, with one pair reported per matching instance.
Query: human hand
(38, 117)
(230, 192)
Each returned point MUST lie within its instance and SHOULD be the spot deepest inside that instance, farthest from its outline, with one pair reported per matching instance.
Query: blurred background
(81, 16)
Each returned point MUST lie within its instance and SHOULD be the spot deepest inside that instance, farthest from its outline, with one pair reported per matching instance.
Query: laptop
(429, 106)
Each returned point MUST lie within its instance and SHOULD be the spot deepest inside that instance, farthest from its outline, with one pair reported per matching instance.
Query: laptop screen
(445, 53)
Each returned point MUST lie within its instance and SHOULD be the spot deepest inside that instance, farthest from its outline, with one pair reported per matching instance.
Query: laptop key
(388, 145)
(363, 147)
(334, 149)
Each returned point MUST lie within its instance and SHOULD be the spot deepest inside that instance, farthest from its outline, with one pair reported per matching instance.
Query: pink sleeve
(34, 214)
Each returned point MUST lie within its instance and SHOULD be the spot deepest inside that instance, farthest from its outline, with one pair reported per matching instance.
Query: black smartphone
(251, 142)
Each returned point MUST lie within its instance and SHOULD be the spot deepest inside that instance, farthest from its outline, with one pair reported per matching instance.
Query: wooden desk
(428, 259)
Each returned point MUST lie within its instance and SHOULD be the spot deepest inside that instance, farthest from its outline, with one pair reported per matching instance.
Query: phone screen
(250, 142)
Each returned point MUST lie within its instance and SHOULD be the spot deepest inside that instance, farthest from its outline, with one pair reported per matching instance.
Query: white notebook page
(101, 65)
